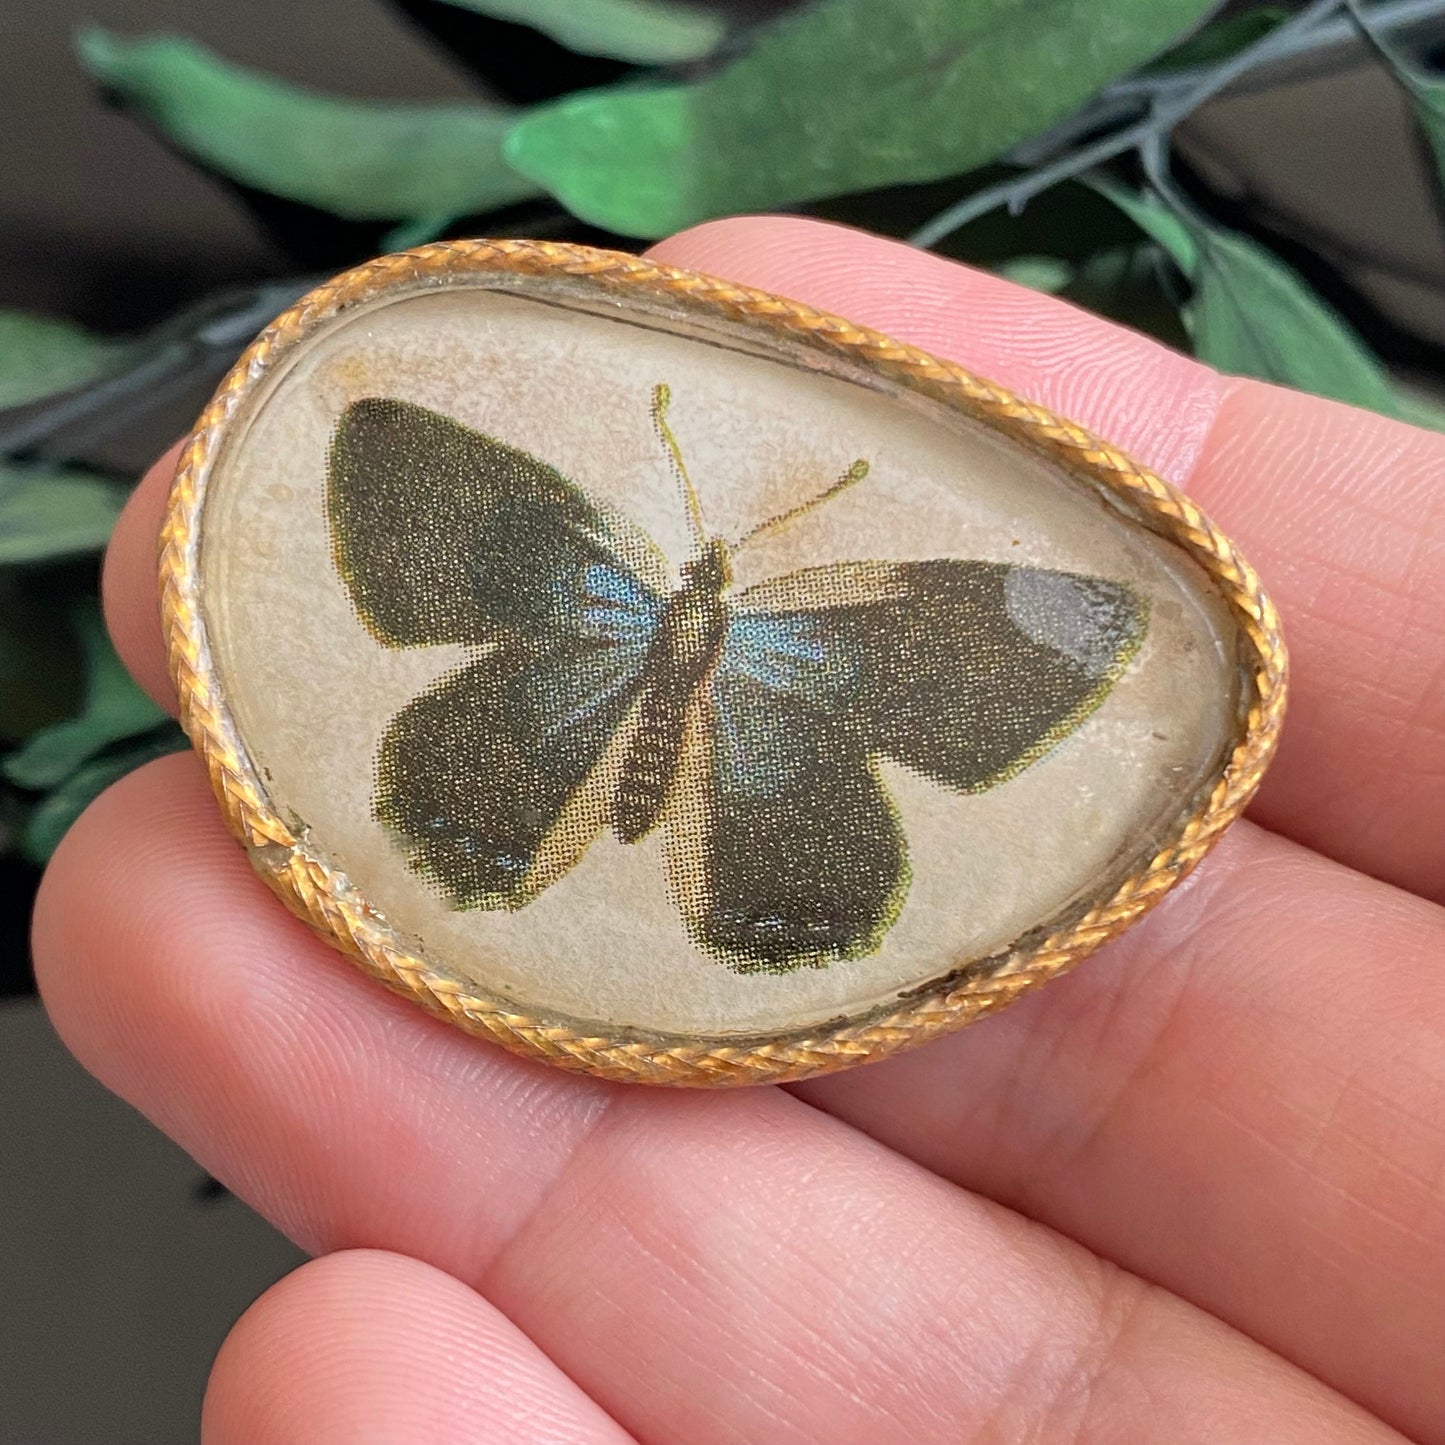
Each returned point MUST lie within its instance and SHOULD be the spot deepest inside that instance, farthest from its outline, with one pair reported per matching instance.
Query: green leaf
(1221, 38)
(646, 32)
(416, 232)
(838, 96)
(1252, 315)
(1049, 274)
(1420, 409)
(48, 512)
(51, 818)
(1154, 218)
(114, 708)
(1127, 284)
(365, 161)
(43, 355)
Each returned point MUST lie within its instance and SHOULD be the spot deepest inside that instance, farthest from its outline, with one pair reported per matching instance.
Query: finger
(1005, 328)
(661, 1248)
(128, 584)
(370, 1348)
(1341, 511)
(1243, 1101)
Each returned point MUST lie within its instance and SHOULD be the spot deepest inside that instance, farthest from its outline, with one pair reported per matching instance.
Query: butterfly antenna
(853, 475)
(661, 399)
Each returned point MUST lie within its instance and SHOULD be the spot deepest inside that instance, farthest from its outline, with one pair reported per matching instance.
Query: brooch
(666, 680)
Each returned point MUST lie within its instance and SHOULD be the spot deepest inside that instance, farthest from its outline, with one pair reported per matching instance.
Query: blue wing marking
(616, 615)
(791, 652)
(775, 665)
(616, 606)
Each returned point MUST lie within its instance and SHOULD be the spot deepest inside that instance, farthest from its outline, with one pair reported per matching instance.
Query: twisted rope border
(326, 900)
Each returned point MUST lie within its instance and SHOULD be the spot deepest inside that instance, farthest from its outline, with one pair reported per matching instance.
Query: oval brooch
(666, 680)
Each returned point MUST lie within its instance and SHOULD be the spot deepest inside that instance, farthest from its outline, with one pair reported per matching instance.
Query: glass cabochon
(640, 676)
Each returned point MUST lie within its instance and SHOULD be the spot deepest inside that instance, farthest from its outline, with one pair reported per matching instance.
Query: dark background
(119, 1271)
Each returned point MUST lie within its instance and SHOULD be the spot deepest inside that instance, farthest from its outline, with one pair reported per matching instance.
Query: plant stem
(1167, 101)
(1340, 32)
(195, 339)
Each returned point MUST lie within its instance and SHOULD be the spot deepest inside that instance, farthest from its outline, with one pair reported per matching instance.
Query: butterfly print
(604, 691)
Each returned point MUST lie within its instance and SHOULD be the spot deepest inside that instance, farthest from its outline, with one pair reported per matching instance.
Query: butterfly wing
(784, 848)
(498, 776)
(494, 778)
(443, 534)
(966, 672)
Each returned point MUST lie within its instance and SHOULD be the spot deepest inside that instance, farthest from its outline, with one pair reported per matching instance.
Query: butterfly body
(749, 727)
(691, 632)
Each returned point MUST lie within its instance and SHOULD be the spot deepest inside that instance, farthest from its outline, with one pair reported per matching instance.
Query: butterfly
(605, 691)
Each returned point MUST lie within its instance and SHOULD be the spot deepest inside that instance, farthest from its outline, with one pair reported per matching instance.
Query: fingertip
(128, 583)
(100, 878)
(177, 978)
(369, 1346)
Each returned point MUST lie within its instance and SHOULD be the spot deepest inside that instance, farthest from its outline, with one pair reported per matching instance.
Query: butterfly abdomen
(689, 638)
(651, 763)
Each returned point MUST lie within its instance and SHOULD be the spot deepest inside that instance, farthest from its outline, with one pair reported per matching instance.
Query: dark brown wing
(789, 852)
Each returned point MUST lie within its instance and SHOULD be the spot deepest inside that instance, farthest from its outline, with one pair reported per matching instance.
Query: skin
(1194, 1192)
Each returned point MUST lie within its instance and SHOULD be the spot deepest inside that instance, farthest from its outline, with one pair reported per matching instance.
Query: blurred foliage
(43, 355)
(1226, 37)
(836, 97)
(48, 512)
(112, 710)
(1030, 137)
(1248, 313)
(421, 164)
(645, 32)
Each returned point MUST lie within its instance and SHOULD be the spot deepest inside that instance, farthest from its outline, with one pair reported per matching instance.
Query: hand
(1195, 1192)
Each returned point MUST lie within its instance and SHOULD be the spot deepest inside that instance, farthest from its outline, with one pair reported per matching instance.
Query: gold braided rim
(325, 899)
